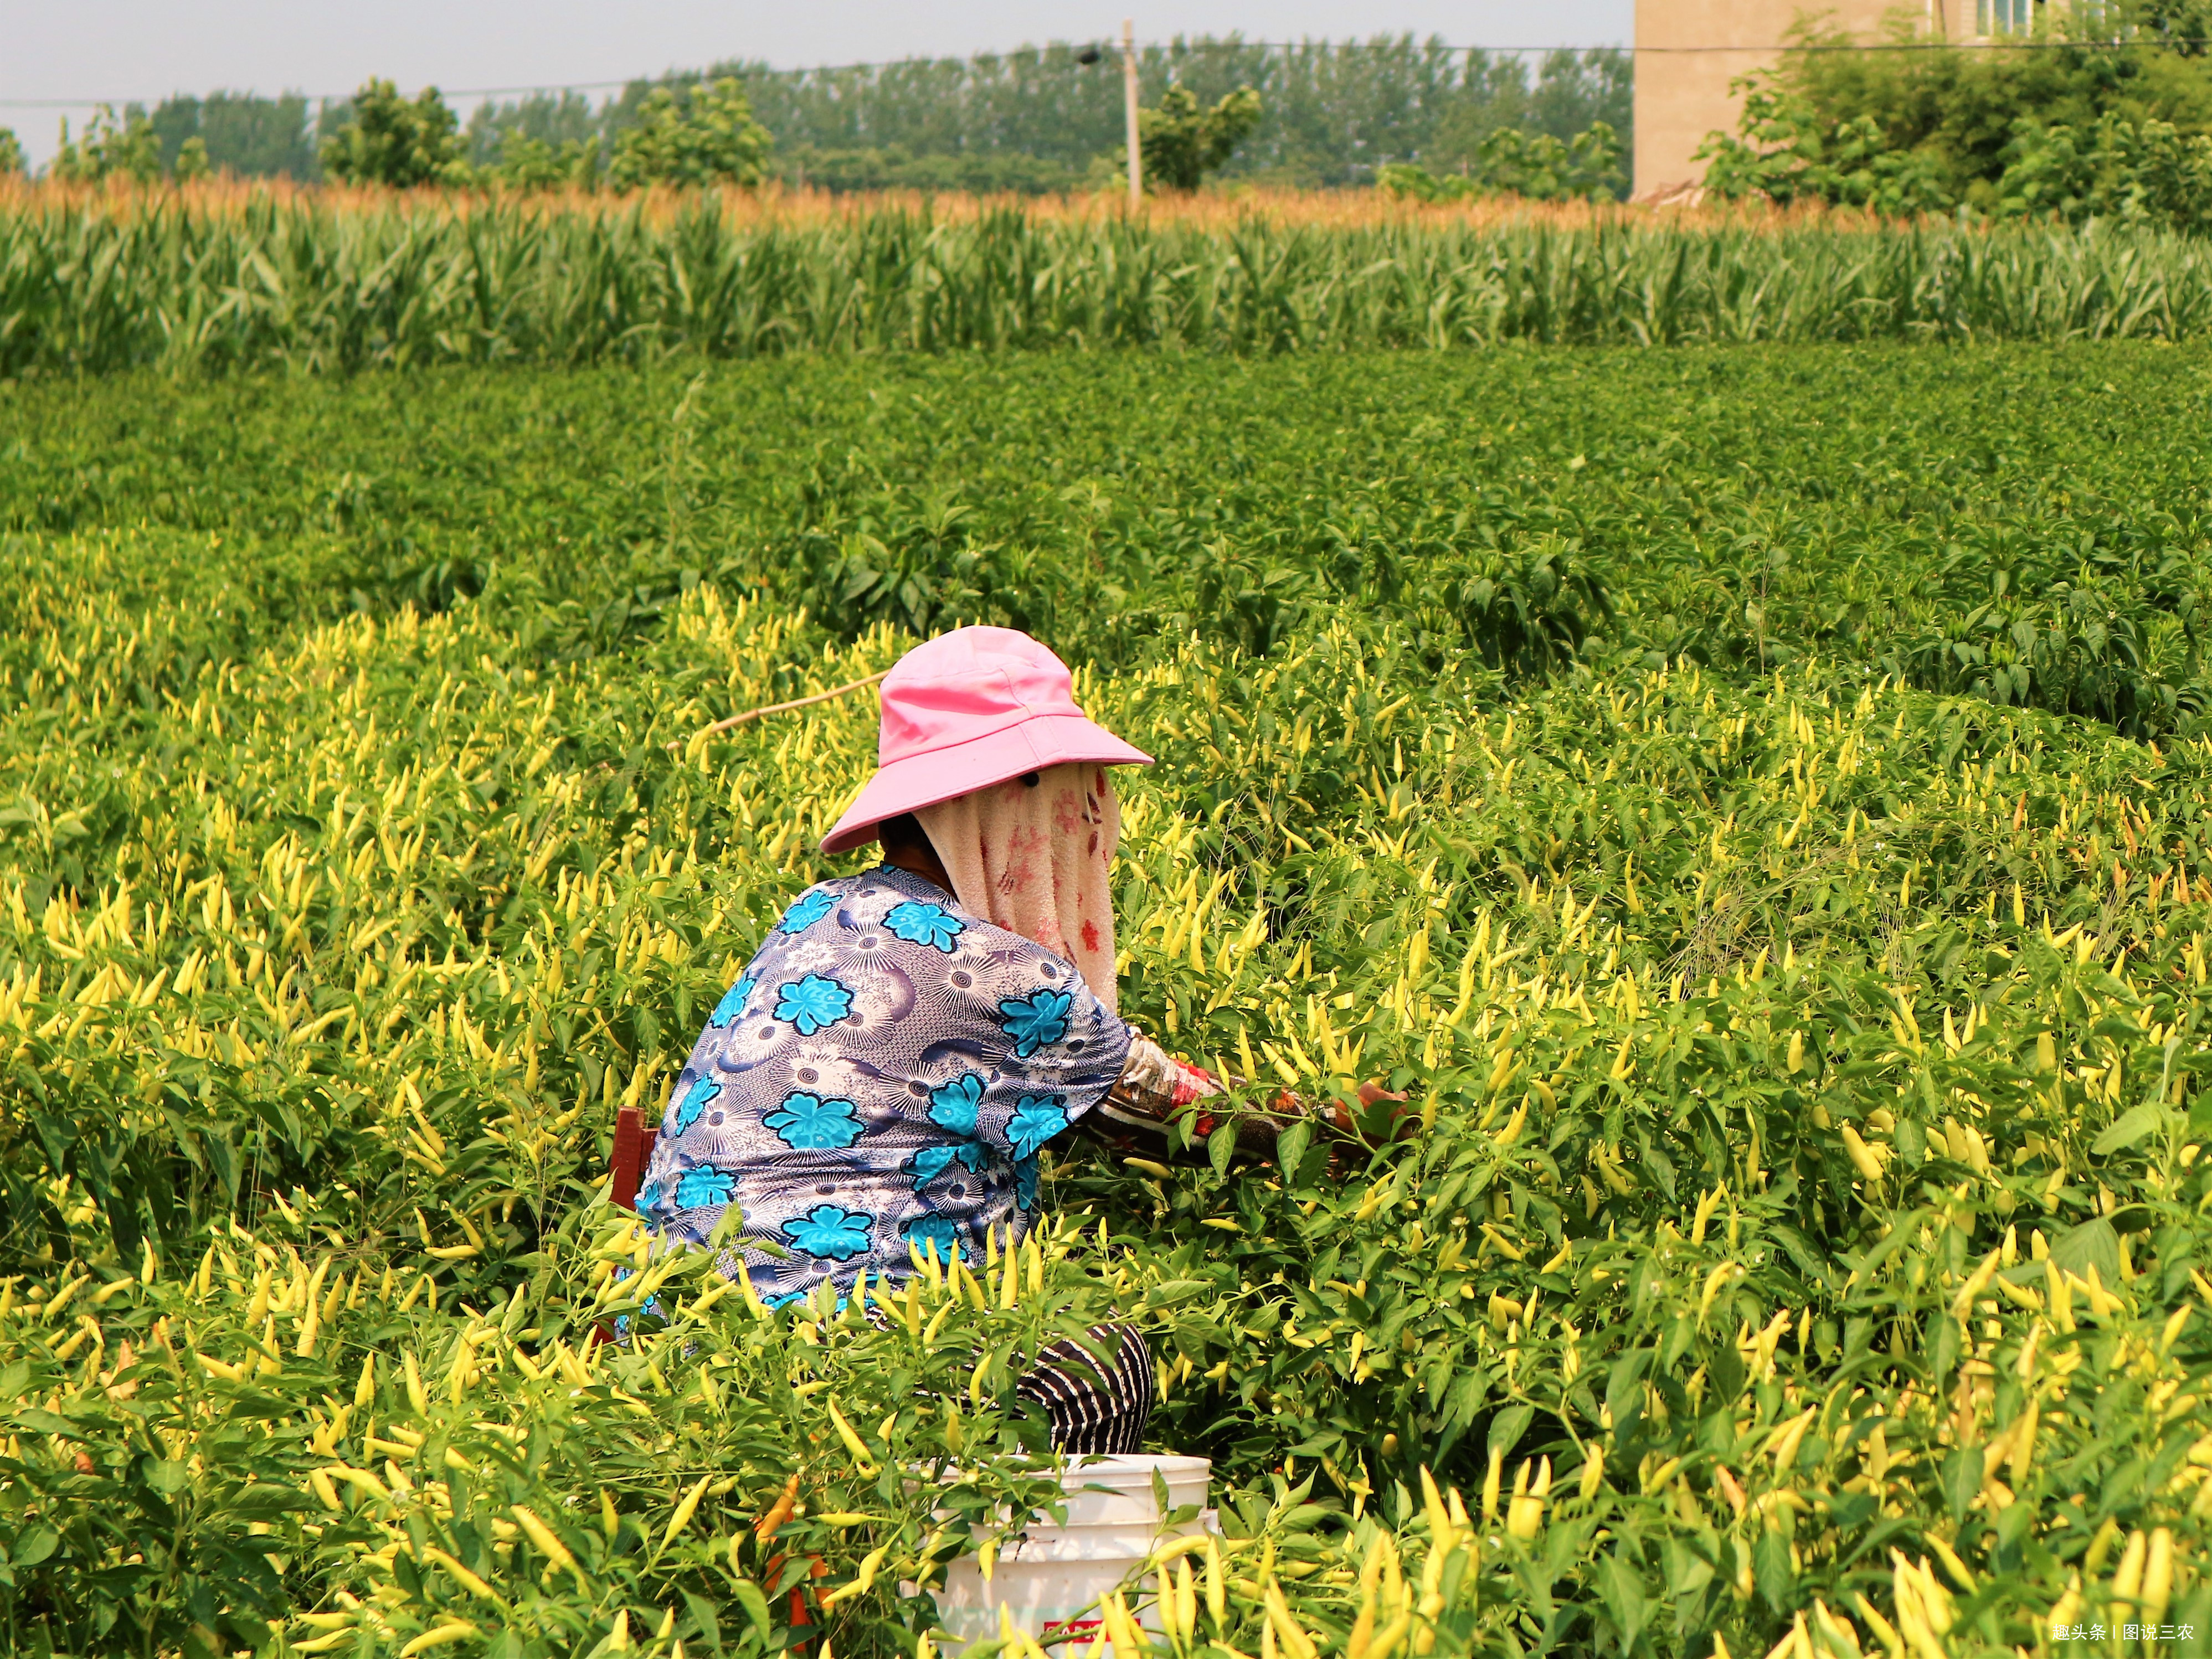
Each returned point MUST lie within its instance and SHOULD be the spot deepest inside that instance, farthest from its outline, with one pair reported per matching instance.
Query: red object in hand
(1404, 1124)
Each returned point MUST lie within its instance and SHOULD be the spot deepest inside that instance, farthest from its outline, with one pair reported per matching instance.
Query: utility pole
(1130, 111)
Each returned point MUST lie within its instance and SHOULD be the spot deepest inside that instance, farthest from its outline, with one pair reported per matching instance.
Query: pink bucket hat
(964, 711)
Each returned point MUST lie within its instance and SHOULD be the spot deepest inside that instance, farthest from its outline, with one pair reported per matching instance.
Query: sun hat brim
(914, 781)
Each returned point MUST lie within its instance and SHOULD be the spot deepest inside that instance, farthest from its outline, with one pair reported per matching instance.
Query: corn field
(1805, 1252)
(319, 289)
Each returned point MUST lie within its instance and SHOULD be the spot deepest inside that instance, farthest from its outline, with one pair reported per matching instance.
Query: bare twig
(783, 707)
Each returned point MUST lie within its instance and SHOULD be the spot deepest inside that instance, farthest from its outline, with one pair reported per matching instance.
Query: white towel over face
(1036, 858)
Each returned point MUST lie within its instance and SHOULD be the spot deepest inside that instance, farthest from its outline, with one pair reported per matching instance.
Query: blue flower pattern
(884, 1072)
(1035, 1121)
(1036, 1020)
(814, 1124)
(813, 1004)
(695, 1100)
(926, 924)
(733, 1004)
(810, 909)
(702, 1185)
(829, 1232)
(942, 1231)
(952, 1105)
(932, 1162)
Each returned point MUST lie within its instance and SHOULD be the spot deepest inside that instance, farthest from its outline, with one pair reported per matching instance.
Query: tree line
(1040, 118)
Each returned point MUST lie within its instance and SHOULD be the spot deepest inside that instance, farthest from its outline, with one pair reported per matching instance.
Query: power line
(1172, 47)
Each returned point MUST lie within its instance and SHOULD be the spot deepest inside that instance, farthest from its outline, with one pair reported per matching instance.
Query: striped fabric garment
(1097, 1401)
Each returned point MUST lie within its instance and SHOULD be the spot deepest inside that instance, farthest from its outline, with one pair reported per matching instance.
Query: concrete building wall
(1683, 94)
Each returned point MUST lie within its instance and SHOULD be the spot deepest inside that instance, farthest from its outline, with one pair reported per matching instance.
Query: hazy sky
(121, 50)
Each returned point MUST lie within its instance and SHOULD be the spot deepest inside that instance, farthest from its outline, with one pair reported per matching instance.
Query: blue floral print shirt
(882, 1073)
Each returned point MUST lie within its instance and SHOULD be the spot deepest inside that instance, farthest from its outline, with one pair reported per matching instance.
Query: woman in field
(881, 1076)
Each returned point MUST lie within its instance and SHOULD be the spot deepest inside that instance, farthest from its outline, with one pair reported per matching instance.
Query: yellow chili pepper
(548, 1544)
(854, 1444)
(684, 1511)
(444, 1635)
(461, 1576)
(862, 1581)
(1862, 1155)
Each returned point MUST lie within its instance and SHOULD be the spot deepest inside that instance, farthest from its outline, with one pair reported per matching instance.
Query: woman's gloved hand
(1152, 1074)
(1155, 1088)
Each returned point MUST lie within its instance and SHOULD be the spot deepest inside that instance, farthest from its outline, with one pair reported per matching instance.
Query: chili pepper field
(1752, 801)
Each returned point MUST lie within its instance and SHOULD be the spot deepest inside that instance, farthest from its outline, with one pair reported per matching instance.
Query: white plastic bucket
(1051, 1578)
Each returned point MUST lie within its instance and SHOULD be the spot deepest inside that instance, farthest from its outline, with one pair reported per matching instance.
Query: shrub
(526, 162)
(1791, 151)
(1533, 166)
(2146, 173)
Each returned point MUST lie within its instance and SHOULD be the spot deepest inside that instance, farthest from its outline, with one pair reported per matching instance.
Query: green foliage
(396, 141)
(11, 153)
(1570, 93)
(112, 147)
(243, 133)
(526, 163)
(1813, 1065)
(1537, 168)
(2149, 173)
(2181, 27)
(193, 161)
(708, 137)
(555, 121)
(1182, 140)
(1789, 153)
(2093, 130)
(1529, 516)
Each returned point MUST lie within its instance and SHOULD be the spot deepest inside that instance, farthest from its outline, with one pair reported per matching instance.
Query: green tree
(192, 159)
(396, 141)
(1573, 92)
(244, 133)
(113, 147)
(11, 153)
(1183, 140)
(528, 162)
(706, 137)
(552, 120)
